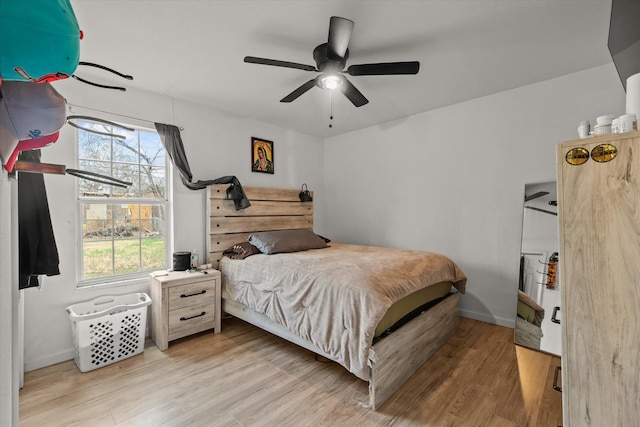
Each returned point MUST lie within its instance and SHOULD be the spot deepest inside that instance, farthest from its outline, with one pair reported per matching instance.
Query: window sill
(117, 283)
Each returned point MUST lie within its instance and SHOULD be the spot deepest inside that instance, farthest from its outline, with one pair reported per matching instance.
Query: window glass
(123, 229)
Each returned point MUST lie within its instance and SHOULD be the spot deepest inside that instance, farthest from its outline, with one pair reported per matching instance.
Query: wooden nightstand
(184, 303)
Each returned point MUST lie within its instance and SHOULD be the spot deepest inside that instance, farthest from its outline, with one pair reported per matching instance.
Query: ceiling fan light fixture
(330, 82)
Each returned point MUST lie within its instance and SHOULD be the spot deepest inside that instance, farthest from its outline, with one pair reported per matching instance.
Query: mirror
(538, 310)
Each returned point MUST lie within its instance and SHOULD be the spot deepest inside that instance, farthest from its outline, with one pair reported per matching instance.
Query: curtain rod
(116, 114)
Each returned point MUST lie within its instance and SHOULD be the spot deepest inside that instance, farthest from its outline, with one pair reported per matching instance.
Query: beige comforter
(334, 297)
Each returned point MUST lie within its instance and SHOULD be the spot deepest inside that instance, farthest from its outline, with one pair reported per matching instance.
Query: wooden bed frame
(393, 359)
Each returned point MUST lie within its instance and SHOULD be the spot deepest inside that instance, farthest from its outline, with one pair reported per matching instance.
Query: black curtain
(521, 276)
(172, 141)
(37, 244)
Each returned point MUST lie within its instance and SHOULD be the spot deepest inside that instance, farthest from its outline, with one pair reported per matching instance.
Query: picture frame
(262, 155)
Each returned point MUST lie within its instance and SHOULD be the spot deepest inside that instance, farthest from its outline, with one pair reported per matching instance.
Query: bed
(528, 331)
(339, 301)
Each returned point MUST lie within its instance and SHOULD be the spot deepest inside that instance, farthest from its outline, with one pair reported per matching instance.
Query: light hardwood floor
(247, 377)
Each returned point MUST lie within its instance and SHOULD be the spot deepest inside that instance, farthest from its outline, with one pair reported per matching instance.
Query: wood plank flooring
(247, 377)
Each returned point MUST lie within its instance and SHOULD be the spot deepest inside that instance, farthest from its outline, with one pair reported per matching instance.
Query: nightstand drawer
(188, 320)
(193, 294)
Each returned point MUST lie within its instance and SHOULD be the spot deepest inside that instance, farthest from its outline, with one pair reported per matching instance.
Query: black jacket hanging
(37, 244)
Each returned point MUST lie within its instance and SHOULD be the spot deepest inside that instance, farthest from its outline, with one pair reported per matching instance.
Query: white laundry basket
(108, 329)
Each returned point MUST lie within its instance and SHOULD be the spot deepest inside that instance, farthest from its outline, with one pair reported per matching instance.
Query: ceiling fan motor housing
(328, 64)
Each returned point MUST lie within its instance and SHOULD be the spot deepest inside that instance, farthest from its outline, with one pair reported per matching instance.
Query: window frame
(166, 203)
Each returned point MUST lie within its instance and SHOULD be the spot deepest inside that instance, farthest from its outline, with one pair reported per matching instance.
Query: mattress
(335, 297)
(408, 305)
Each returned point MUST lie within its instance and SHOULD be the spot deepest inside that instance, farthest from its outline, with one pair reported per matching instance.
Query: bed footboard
(395, 358)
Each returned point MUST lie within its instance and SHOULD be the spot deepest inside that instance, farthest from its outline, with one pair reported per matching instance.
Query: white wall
(216, 143)
(10, 354)
(540, 230)
(452, 180)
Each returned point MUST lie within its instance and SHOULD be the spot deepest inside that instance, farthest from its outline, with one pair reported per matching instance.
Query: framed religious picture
(261, 155)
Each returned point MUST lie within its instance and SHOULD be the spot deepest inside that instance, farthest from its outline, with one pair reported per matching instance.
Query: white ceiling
(194, 50)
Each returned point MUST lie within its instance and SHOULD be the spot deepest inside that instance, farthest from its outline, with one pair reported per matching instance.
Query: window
(123, 230)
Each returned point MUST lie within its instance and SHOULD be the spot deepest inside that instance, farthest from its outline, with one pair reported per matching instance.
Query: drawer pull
(554, 317)
(193, 295)
(555, 379)
(193, 317)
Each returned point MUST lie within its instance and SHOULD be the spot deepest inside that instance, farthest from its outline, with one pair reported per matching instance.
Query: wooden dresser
(184, 303)
(599, 217)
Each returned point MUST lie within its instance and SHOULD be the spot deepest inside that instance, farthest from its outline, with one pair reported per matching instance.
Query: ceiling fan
(537, 195)
(331, 58)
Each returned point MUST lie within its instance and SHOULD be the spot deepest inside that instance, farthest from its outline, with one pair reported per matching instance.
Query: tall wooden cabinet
(599, 217)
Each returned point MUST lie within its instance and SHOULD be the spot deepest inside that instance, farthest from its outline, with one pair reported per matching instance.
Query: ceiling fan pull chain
(330, 109)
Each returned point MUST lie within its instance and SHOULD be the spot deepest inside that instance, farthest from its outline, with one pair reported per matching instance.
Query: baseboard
(51, 359)
(59, 357)
(484, 317)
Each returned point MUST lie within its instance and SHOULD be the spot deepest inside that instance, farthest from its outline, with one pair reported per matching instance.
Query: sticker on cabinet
(577, 156)
(604, 153)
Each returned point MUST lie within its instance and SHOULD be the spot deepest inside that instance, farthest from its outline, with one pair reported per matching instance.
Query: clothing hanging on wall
(170, 137)
(37, 244)
(521, 275)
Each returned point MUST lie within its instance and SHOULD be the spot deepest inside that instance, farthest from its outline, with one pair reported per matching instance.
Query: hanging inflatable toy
(39, 40)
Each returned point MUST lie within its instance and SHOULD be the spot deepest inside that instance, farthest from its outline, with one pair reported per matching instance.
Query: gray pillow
(294, 240)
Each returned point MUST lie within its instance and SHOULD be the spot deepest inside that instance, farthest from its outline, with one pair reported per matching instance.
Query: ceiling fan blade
(535, 195)
(385, 68)
(275, 62)
(339, 35)
(541, 210)
(354, 95)
(299, 91)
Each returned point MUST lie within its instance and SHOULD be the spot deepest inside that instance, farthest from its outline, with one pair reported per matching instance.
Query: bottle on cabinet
(194, 258)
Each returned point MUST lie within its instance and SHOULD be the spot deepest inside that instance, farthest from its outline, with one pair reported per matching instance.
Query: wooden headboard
(271, 209)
